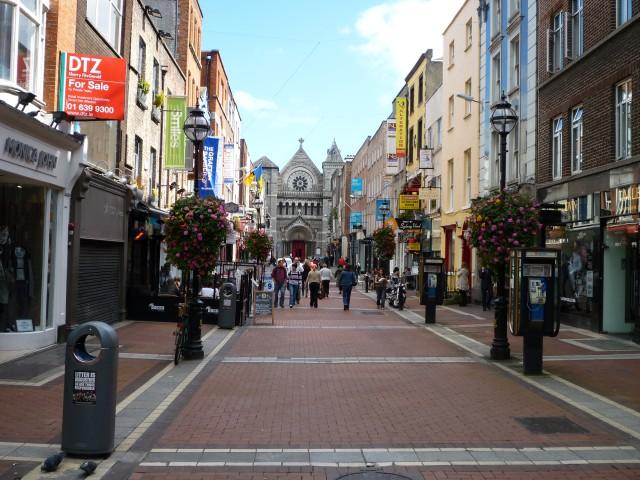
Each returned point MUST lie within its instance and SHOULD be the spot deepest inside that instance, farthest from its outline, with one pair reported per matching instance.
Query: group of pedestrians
(310, 279)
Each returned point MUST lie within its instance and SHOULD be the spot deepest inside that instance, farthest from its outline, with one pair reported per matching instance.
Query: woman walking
(325, 275)
(463, 284)
(347, 281)
(380, 285)
(313, 285)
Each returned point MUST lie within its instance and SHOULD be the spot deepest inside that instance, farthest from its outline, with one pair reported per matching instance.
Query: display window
(24, 255)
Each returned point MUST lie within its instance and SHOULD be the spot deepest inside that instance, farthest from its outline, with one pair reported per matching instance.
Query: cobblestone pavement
(326, 392)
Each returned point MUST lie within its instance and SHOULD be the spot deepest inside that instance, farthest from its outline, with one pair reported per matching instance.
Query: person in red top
(279, 276)
(342, 262)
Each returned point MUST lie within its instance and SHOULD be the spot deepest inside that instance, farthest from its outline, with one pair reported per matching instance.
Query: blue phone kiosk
(534, 301)
(433, 288)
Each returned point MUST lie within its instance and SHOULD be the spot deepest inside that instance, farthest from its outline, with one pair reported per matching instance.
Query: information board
(263, 304)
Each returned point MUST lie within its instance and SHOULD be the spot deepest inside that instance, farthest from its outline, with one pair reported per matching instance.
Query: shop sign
(409, 202)
(401, 127)
(29, 154)
(621, 201)
(426, 163)
(92, 87)
(405, 225)
(174, 137)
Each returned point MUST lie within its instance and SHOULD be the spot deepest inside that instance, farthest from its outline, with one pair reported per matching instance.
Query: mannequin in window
(23, 279)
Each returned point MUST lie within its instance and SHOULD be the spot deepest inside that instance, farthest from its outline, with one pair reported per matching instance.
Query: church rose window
(300, 183)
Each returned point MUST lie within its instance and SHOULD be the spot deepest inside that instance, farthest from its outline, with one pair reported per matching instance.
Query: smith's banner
(401, 127)
(174, 138)
(210, 181)
(92, 87)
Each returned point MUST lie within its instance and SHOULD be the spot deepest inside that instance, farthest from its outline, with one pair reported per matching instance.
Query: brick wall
(59, 38)
(590, 81)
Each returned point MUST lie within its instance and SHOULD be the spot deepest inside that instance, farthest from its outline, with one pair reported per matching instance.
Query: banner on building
(356, 187)
(228, 163)
(355, 220)
(209, 184)
(426, 162)
(409, 202)
(392, 158)
(382, 203)
(174, 137)
(401, 127)
(92, 87)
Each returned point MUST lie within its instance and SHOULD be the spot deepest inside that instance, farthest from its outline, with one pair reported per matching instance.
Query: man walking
(486, 285)
(295, 277)
(347, 281)
(279, 276)
(325, 276)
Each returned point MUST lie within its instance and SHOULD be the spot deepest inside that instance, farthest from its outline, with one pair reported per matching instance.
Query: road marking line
(460, 312)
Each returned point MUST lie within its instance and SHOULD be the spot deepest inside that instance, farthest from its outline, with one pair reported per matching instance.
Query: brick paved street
(324, 392)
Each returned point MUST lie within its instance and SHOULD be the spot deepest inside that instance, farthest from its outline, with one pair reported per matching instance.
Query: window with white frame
(555, 43)
(467, 176)
(514, 151)
(468, 33)
(451, 111)
(496, 70)
(495, 158)
(137, 158)
(156, 78)
(514, 7)
(556, 148)
(452, 53)
(576, 139)
(106, 17)
(467, 92)
(577, 28)
(142, 57)
(439, 132)
(514, 63)
(450, 174)
(624, 11)
(153, 164)
(495, 17)
(22, 30)
(623, 119)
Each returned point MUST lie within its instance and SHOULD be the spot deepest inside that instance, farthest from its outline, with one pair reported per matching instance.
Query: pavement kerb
(622, 417)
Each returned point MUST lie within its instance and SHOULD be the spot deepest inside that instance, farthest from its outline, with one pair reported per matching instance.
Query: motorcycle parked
(397, 295)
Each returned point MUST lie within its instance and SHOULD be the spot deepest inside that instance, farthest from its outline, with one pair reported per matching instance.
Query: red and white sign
(92, 87)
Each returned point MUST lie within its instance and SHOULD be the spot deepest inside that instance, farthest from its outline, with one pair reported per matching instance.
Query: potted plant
(258, 245)
(384, 243)
(501, 222)
(143, 90)
(156, 109)
(194, 231)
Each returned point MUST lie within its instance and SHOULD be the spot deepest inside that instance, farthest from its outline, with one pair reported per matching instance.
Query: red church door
(298, 249)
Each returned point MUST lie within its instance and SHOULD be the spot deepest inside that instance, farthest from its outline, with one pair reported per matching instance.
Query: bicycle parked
(182, 332)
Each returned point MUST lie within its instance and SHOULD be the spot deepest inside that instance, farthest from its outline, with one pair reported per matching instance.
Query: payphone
(433, 288)
(534, 301)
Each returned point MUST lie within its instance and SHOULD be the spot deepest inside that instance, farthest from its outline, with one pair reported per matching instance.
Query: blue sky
(319, 69)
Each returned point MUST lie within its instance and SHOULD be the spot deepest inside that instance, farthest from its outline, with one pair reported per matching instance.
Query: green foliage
(143, 85)
(384, 243)
(194, 232)
(158, 101)
(501, 222)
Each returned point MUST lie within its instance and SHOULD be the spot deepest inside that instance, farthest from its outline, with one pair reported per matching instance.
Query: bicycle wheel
(179, 342)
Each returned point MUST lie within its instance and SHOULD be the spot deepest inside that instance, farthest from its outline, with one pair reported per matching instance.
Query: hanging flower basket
(501, 222)
(384, 243)
(194, 232)
(258, 245)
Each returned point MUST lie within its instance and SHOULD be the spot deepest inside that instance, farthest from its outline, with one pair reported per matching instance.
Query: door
(615, 301)
(298, 249)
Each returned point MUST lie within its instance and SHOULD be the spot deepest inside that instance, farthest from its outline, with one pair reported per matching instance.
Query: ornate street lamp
(503, 120)
(196, 128)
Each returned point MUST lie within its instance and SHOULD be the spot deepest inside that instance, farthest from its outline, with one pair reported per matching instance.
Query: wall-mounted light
(165, 35)
(58, 117)
(24, 99)
(153, 12)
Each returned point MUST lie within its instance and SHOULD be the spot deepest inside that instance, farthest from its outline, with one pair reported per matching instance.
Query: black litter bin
(90, 386)
(227, 308)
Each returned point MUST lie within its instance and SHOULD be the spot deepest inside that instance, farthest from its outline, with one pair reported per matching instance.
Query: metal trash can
(90, 386)
(227, 308)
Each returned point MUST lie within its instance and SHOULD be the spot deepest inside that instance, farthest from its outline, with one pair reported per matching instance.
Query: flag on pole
(261, 184)
(249, 179)
(258, 172)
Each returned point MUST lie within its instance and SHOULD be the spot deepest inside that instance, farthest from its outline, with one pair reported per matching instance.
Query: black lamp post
(503, 119)
(196, 128)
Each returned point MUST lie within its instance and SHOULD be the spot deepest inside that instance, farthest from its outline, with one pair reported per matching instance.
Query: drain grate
(546, 425)
(370, 312)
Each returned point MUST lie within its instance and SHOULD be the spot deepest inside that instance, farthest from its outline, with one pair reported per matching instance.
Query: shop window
(22, 257)
(22, 42)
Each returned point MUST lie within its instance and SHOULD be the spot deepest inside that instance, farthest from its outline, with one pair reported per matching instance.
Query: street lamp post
(503, 119)
(196, 128)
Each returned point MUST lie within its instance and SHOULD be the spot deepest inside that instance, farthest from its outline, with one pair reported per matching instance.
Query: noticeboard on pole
(263, 305)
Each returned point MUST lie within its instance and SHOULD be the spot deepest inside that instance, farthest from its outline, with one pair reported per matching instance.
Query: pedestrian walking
(380, 285)
(358, 268)
(463, 284)
(342, 262)
(486, 286)
(337, 276)
(306, 268)
(295, 278)
(325, 275)
(347, 281)
(279, 276)
(313, 282)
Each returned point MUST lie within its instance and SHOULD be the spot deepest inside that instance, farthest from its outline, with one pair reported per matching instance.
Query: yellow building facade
(460, 146)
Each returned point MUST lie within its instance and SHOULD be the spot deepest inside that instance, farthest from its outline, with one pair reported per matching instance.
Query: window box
(155, 113)
(141, 98)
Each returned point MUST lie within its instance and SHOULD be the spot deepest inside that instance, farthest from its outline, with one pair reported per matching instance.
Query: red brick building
(589, 154)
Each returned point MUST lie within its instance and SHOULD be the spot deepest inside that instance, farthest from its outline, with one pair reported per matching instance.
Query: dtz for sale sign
(92, 87)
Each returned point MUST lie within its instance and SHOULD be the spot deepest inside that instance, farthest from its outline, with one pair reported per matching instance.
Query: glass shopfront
(27, 226)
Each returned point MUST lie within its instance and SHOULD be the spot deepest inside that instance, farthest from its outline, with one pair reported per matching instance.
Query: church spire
(333, 154)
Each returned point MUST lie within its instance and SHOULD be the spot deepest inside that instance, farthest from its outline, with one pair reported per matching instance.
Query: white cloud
(345, 30)
(249, 103)
(395, 33)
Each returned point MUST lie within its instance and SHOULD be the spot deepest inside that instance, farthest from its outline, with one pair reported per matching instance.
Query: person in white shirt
(325, 277)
